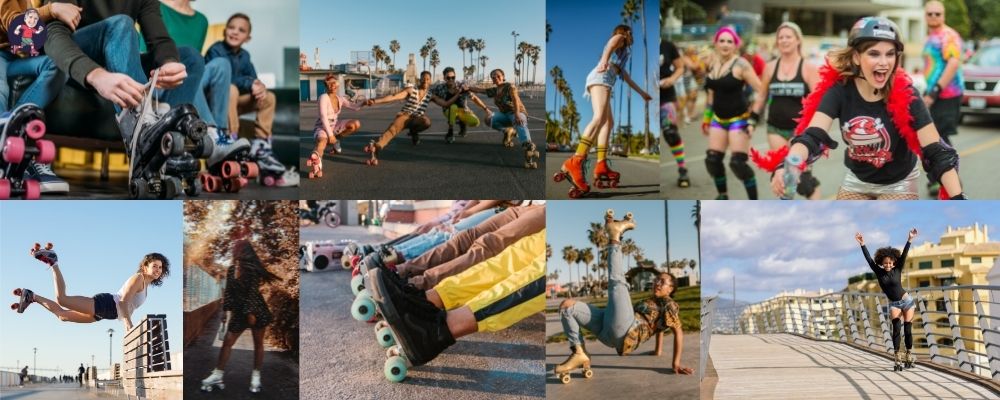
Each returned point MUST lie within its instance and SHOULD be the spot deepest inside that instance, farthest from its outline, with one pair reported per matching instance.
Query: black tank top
(786, 98)
(728, 100)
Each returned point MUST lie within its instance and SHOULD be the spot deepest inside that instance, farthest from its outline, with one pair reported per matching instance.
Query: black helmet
(874, 28)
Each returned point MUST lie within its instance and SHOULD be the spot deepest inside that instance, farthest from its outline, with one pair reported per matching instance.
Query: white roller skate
(255, 382)
(271, 170)
(213, 381)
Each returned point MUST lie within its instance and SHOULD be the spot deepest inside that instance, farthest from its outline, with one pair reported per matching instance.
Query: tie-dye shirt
(943, 45)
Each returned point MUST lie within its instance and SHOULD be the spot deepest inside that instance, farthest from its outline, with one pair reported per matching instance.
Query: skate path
(42, 391)
(791, 367)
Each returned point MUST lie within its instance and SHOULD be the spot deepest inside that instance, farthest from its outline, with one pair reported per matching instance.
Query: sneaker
(47, 179)
(225, 146)
(335, 148)
(289, 179)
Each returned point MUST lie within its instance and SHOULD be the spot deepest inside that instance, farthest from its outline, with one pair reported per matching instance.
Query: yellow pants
(454, 112)
(503, 289)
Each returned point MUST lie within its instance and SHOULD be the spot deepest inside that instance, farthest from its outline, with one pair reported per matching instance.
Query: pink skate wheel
(31, 190)
(46, 151)
(35, 129)
(230, 169)
(13, 150)
(4, 189)
(208, 183)
(251, 169)
(269, 181)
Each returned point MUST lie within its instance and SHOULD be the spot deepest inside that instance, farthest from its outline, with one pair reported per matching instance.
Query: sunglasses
(450, 78)
(934, 14)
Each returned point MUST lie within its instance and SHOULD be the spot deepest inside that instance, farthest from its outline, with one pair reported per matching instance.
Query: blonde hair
(794, 28)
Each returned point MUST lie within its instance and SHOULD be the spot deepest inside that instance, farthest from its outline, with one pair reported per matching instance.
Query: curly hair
(884, 252)
(148, 258)
(673, 282)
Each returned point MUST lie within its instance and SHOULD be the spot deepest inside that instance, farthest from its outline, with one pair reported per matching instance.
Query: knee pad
(738, 163)
(939, 158)
(807, 184)
(713, 162)
(671, 135)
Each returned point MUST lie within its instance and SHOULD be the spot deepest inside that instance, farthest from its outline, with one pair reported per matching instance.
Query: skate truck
(21, 144)
(147, 370)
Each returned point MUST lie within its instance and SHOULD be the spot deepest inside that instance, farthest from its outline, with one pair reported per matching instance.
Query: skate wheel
(14, 306)
(32, 190)
(363, 308)
(588, 373)
(35, 129)
(13, 150)
(312, 175)
(534, 165)
(614, 184)
(357, 284)
(395, 369)
(46, 151)
(575, 193)
(193, 188)
(208, 182)
(564, 378)
(319, 174)
(17, 292)
(559, 177)
(230, 169)
(252, 170)
(269, 181)
(385, 338)
(4, 189)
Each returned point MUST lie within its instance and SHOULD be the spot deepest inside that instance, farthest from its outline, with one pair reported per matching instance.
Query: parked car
(618, 150)
(982, 73)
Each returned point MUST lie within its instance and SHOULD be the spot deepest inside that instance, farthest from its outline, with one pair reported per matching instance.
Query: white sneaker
(289, 179)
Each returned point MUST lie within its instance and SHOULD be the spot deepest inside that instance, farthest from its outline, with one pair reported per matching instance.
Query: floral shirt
(652, 316)
(503, 95)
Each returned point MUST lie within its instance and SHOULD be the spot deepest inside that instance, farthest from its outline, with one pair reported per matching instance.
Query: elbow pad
(817, 141)
(939, 158)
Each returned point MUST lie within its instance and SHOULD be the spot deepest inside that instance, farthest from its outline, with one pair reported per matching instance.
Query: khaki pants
(415, 123)
(242, 104)
(474, 245)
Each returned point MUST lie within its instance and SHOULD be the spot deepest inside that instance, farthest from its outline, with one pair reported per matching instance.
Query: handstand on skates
(617, 228)
(372, 149)
(604, 176)
(21, 144)
(572, 171)
(577, 360)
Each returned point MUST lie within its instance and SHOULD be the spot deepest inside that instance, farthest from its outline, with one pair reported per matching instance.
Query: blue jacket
(244, 73)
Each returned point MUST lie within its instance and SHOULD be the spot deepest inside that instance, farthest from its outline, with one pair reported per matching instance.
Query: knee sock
(583, 147)
(908, 334)
(602, 152)
(895, 333)
(678, 151)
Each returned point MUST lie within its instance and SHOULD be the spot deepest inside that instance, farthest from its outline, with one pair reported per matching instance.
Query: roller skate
(373, 149)
(683, 180)
(25, 298)
(271, 170)
(21, 144)
(214, 381)
(578, 359)
(230, 167)
(45, 255)
(909, 360)
(898, 360)
(255, 381)
(508, 136)
(186, 168)
(450, 136)
(531, 155)
(572, 171)
(604, 176)
(316, 162)
(335, 148)
(462, 129)
(419, 337)
(617, 228)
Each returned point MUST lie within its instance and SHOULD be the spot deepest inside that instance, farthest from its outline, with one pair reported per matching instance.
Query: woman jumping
(620, 325)
(901, 304)
(247, 306)
(81, 309)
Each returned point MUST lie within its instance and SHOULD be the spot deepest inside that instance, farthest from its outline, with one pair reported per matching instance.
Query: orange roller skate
(604, 177)
(572, 170)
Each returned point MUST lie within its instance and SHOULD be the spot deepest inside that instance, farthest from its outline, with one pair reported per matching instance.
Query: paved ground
(640, 179)
(279, 374)
(977, 144)
(345, 362)
(87, 185)
(640, 374)
(475, 166)
(759, 367)
(42, 391)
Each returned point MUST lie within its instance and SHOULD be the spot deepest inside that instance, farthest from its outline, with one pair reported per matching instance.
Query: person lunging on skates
(888, 266)
(329, 126)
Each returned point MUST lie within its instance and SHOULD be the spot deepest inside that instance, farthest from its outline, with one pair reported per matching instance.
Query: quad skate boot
(316, 162)
(21, 145)
(683, 180)
(572, 170)
(508, 136)
(531, 155)
(910, 359)
(186, 167)
(900, 356)
(213, 381)
(45, 255)
(604, 176)
(578, 359)
(255, 381)
(617, 228)
(450, 136)
(271, 170)
(373, 149)
(25, 298)
(462, 129)
(722, 196)
(414, 136)
(229, 168)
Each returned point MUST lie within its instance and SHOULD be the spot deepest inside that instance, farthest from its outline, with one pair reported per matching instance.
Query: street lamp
(515, 35)
(35, 364)
(110, 333)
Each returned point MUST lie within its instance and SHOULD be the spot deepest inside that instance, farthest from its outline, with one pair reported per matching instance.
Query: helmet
(874, 28)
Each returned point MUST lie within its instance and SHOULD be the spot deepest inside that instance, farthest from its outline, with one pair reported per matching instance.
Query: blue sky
(772, 246)
(100, 244)
(580, 30)
(567, 222)
(358, 25)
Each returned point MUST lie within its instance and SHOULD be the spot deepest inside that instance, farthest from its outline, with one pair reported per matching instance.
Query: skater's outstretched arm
(635, 86)
(864, 250)
(445, 103)
(479, 102)
(389, 99)
(672, 79)
(906, 248)
(678, 348)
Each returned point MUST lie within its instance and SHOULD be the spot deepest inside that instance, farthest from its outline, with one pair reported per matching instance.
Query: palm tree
(598, 236)
(424, 52)
(534, 53)
(556, 74)
(579, 260)
(463, 43)
(631, 10)
(548, 30)
(482, 61)
(569, 255)
(435, 61)
(377, 55)
(522, 52)
(394, 47)
(586, 256)
(628, 249)
(431, 44)
(696, 216)
(548, 251)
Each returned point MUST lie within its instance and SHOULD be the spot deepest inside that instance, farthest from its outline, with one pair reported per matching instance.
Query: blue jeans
(505, 120)
(611, 323)
(413, 248)
(187, 92)
(214, 93)
(49, 79)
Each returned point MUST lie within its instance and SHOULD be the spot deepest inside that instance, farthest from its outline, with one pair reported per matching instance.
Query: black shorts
(104, 307)
(945, 113)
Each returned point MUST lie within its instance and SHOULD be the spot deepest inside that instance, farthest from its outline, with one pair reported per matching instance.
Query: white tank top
(137, 300)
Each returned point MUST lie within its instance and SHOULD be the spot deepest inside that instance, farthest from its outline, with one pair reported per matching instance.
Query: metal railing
(954, 326)
(707, 322)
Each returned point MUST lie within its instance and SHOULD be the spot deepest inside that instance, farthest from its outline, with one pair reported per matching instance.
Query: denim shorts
(104, 307)
(904, 304)
(606, 78)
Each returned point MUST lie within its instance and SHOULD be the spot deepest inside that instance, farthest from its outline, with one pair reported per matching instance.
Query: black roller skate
(450, 136)
(186, 168)
(21, 144)
(683, 180)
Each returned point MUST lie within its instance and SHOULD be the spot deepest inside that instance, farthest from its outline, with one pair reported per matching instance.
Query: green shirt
(186, 30)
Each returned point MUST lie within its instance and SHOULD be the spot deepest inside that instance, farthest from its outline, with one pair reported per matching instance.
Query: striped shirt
(415, 105)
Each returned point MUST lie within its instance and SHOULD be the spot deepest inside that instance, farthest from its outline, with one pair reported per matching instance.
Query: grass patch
(688, 298)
